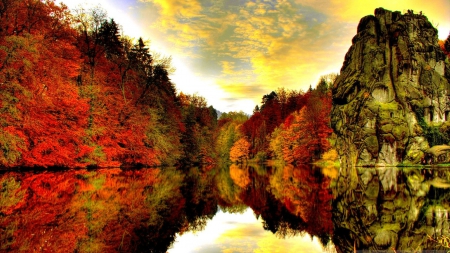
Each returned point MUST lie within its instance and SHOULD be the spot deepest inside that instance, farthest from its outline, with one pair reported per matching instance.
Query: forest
(74, 92)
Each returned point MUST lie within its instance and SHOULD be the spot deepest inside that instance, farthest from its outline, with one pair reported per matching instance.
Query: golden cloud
(227, 67)
(262, 45)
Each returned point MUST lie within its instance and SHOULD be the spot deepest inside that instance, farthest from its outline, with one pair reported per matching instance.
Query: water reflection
(391, 209)
(146, 210)
(241, 232)
(98, 211)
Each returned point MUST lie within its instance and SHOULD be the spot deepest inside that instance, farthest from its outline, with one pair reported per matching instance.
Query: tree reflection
(199, 189)
(290, 200)
(118, 210)
(102, 211)
(305, 192)
(239, 175)
(228, 191)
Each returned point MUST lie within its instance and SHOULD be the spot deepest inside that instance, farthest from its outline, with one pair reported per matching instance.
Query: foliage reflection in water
(145, 210)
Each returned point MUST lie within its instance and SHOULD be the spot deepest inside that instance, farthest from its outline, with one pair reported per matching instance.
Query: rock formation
(390, 100)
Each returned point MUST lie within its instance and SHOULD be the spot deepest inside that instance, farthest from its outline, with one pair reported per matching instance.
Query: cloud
(243, 90)
(259, 45)
(227, 67)
(251, 47)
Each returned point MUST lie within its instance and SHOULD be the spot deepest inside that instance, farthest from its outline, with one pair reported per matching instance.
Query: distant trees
(229, 125)
(293, 126)
(200, 122)
(445, 46)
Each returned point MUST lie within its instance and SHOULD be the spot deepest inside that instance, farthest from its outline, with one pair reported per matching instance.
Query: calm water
(225, 209)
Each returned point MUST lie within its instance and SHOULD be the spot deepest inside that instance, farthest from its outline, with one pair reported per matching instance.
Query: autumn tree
(303, 137)
(255, 130)
(109, 38)
(75, 92)
(134, 116)
(229, 132)
(44, 115)
(314, 129)
(275, 107)
(198, 141)
(240, 150)
(89, 40)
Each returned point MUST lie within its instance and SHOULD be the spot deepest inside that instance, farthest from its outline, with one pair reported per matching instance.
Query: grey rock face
(391, 84)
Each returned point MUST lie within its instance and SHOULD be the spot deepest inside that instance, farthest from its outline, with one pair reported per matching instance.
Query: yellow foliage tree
(240, 150)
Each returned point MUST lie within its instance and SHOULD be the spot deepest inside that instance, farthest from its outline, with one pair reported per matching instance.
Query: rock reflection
(391, 209)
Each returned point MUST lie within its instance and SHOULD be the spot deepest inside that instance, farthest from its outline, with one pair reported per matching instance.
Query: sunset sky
(232, 52)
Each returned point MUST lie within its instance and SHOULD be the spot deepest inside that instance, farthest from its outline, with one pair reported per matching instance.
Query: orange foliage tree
(240, 150)
(228, 132)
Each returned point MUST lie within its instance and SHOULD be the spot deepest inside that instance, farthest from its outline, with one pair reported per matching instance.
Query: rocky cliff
(390, 101)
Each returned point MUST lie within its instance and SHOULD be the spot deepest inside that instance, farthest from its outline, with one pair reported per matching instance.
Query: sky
(232, 52)
(228, 233)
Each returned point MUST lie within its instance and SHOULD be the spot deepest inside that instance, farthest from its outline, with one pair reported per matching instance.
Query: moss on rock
(372, 145)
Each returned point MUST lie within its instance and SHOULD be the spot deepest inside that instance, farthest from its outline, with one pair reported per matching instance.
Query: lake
(252, 208)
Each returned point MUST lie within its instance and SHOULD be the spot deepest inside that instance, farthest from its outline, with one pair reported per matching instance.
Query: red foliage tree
(313, 130)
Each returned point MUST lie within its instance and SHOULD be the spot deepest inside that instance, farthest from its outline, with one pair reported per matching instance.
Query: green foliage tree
(228, 132)
(109, 38)
(198, 141)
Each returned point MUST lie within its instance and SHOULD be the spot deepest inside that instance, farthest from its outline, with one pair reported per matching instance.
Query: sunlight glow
(234, 52)
(240, 233)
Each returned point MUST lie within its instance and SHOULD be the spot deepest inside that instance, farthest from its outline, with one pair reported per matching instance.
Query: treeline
(74, 92)
(290, 125)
